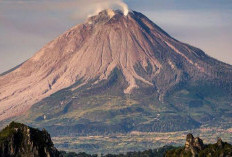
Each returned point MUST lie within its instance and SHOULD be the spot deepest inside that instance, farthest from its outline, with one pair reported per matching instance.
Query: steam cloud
(109, 4)
(86, 8)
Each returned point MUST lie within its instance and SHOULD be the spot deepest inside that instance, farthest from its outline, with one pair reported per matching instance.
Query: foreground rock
(22, 141)
(194, 147)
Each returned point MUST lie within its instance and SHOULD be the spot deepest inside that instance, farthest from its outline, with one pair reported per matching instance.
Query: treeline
(148, 153)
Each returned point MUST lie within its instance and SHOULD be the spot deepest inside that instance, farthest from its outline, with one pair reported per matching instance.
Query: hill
(19, 140)
(194, 147)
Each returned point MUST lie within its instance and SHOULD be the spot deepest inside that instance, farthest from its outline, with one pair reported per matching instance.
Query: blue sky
(27, 25)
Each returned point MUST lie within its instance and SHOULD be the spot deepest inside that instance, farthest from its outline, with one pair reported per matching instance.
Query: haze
(27, 25)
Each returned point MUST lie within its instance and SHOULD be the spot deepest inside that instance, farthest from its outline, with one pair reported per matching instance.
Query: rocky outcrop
(220, 143)
(194, 147)
(19, 140)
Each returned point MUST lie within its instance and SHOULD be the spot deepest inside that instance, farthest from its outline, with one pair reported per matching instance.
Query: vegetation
(72, 113)
(210, 150)
(195, 147)
(19, 140)
(73, 154)
(168, 151)
(216, 150)
(178, 152)
(8, 131)
(17, 135)
(147, 153)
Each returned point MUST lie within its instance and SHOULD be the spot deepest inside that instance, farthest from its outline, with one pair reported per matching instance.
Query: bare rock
(194, 145)
(20, 140)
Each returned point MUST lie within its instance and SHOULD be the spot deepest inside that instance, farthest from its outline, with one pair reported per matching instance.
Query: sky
(27, 25)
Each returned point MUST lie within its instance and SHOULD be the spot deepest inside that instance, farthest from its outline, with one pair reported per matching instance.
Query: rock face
(194, 147)
(90, 52)
(18, 140)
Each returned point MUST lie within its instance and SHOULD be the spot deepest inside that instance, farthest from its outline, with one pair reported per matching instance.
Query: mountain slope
(117, 73)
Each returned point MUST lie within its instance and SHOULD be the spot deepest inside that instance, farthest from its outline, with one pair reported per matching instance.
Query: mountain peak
(106, 15)
(88, 54)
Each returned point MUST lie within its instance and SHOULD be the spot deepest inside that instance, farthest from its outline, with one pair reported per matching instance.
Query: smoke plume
(86, 8)
(109, 4)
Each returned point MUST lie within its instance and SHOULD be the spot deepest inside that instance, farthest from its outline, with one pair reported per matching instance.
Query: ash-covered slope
(130, 51)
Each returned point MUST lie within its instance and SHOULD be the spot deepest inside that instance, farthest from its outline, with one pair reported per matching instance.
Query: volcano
(117, 73)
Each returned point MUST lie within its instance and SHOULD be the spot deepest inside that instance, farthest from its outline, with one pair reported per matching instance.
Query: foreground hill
(19, 140)
(194, 147)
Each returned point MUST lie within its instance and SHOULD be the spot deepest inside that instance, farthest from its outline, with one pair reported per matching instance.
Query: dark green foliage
(216, 150)
(19, 140)
(170, 122)
(147, 153)
(8, 131)
(73, 154)
(213, 150)
(178, 152)
(195, 103)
